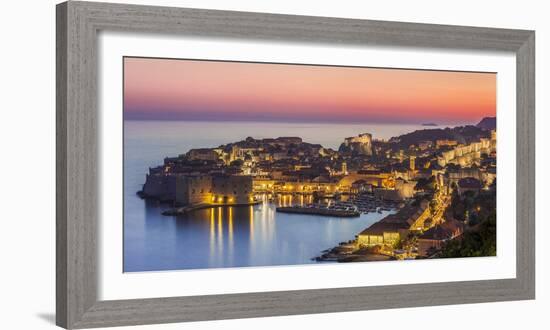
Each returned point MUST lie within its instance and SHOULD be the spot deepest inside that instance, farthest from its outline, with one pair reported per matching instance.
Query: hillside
(462, 134)
(488, 123)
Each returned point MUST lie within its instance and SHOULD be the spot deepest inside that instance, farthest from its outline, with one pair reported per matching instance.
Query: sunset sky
(164, 89)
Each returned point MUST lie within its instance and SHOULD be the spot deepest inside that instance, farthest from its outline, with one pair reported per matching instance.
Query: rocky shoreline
(348, 252)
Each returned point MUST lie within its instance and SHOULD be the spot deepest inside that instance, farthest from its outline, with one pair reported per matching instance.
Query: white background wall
(27, 165)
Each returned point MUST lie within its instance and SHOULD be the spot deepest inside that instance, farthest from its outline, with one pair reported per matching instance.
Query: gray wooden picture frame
(78, 24)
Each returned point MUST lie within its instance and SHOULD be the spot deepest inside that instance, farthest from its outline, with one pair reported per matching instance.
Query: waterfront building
(196, 188)
(360, 186)
(376, 178)
(262, 184)
(156, 185)
(395, 227)
(383, 233)
(232, 189)
(193, 189)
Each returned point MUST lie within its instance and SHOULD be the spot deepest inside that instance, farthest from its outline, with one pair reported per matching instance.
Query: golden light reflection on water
(230, 232)
(212, 235)
(284, 200)
(227, 222)
(220, 230)
(231, 222)
(258, 235)
(223, 223)
(251, 221)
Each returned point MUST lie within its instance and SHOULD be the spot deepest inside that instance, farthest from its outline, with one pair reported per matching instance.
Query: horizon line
(437, 124)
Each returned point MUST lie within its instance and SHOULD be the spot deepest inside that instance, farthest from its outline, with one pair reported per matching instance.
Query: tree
(398, 245)
(237, 163)
(426, 184)
(480, 238)
(473, 243)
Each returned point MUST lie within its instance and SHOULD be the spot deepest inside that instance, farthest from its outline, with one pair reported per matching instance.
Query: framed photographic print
(216, 165)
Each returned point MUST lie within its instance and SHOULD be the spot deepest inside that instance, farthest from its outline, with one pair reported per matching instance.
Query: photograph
(238, 164)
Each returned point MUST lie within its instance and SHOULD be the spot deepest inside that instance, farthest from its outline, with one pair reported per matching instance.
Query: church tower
(411, 163)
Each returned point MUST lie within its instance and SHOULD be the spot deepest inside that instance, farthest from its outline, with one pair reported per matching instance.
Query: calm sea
(226, 237)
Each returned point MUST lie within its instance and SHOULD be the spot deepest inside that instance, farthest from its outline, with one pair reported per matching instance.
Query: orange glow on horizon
(216, 90)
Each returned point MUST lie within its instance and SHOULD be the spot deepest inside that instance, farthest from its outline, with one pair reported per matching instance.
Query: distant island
(429, 124)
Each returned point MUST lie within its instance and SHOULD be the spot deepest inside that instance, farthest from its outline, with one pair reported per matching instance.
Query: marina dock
(319, 211)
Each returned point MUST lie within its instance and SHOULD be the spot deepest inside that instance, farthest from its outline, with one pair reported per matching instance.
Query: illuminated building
(445, 143)
(360, 145)
(395, 227)
(232, 188)
(203, 154)
(344, 168)
(193, 189)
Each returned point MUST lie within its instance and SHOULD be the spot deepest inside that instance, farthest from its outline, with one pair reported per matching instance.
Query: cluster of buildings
(464, 155)
(252, 166)
(434, 238)
(199, 188)
(235, 173)
(395, 227)
(284, 165)
(433, 230)
(447, 165)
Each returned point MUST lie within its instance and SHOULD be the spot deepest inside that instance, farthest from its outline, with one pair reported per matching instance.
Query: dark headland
(488, 123)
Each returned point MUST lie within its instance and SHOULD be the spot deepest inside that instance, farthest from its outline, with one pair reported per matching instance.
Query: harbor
(233, 236)
(323, 211)
(283, 201)
(343, 206)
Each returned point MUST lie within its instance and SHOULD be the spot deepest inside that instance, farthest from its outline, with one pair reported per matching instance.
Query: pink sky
(216, 90)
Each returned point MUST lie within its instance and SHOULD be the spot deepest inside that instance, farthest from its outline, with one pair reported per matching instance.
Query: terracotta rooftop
(469, 183)
(395, 222)
(444, 231)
